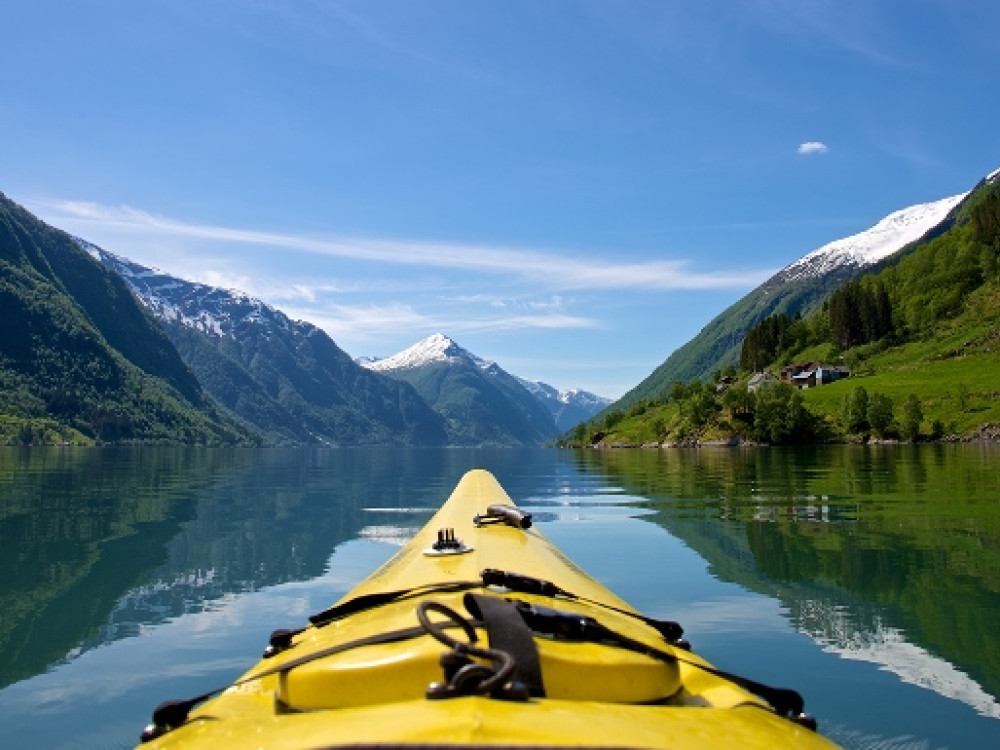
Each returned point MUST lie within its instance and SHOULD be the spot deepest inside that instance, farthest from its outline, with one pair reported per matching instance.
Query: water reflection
(884, 554)
(863, 634)
(101, 544)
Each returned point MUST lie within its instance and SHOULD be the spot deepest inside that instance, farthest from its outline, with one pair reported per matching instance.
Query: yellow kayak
(480, 632)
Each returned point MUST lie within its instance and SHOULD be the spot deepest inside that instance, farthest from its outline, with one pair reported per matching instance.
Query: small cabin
(812, 374)
(761, 380)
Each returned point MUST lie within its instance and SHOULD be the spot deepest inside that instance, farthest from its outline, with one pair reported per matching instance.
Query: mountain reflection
(882, 554)
(101, 544)
(861, 633)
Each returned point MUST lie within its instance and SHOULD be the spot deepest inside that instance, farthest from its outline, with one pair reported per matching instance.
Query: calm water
(866, 577)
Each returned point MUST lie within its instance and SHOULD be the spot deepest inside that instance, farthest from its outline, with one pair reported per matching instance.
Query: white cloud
(546, 268)
(374, 321)
(813, 147)
(340, 320)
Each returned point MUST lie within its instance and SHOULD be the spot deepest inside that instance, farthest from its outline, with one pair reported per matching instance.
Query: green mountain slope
(920, 334)
(480, 409)
(481, 402)
(79, 357)
(297, 386)
(797, 289)
(717, 345)
(286, 378)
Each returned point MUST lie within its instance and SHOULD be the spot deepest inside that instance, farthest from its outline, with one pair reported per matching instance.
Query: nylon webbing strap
(378, 598)
(507, 631)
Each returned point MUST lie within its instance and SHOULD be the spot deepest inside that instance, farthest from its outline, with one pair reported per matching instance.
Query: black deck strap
(670, 630)
(507, 631)
(578, 627)
(784, 701)
(378, 598)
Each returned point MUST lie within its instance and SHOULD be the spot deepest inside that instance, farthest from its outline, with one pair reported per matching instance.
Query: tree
(854, 410)
(859, 313)
(913, 415)
(780, 415)
(612, 418)
(678, 391)
(764, 341)
(880, 413)
(702, 405)
(963, 397)
(740, 403)
(988, 263)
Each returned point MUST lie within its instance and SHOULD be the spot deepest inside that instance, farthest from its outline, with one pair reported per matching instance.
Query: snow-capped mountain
(568, 408)
(80, 353)
(207, 309)
(895, 231)
(286, 378)
(798, 287)
(478, 398)
(434, 348)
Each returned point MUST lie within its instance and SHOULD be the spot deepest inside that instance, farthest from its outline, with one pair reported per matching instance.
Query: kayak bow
(480, 632)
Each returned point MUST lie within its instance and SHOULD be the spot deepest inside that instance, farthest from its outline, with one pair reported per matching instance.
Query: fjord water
(866, 577)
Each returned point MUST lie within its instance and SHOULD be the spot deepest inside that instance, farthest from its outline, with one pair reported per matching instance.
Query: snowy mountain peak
(210, 310)
(892, 233)
(434, 348)
(572, 397)
(583, 398)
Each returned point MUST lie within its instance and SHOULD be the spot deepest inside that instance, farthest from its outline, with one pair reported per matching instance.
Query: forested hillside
(920, 337)
(798, 289)
(80, 359)
(481, 408)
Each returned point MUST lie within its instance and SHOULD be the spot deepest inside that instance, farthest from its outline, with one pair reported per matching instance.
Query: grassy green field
(954, 372)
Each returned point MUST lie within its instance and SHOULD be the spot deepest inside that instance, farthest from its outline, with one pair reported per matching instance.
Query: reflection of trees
(100, 542)
(905, 538)
(76, 531)
(96, 543)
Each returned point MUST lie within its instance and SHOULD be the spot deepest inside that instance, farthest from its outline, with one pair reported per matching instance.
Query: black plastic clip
(505, 514)
(280, 640)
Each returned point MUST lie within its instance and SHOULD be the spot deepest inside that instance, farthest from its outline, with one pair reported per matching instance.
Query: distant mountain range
(568, 408)
(81, 359)
(286, 378)
(198, 364)
(481, 401)
(292, 383)
(798, 288)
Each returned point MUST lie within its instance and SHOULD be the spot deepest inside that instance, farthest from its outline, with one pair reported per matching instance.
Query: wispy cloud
(361, 320)
(858, 27)
(813, 147)
(545, 268)
(374, 321)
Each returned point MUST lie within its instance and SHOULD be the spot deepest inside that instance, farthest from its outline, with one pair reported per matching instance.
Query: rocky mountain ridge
(568, 407)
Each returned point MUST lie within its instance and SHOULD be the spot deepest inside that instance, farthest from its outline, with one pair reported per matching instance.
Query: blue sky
(571, 188)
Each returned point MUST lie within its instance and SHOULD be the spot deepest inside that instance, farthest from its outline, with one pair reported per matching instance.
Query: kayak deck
(410, 657)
